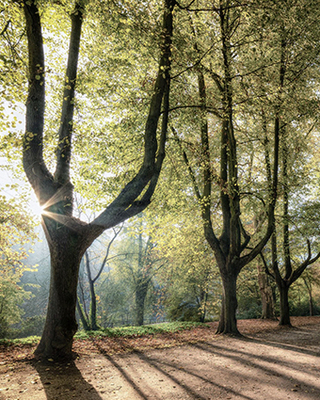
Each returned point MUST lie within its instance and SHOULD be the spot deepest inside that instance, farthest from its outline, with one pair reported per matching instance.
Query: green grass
(128, 331)
(30, 340)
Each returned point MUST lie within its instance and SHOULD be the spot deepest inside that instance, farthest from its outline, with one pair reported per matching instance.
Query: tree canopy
(227, 90)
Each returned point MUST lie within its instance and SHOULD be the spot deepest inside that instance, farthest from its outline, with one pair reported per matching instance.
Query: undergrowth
(128, 331)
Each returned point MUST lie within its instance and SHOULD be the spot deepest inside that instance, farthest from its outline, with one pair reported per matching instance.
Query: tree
(89, 320)
(230, 248)
(68, 238)
(250, 80)
(139, 266)
(286, 276)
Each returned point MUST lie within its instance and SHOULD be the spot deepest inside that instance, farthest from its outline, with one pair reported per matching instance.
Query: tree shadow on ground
(301, 336)
(263, 372)
(61, 381)
(161, 367)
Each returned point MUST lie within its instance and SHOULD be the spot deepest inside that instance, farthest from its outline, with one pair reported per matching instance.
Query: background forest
(233, 227)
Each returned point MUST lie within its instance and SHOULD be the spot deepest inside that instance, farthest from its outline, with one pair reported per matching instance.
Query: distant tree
(140, 266)
(89, 319)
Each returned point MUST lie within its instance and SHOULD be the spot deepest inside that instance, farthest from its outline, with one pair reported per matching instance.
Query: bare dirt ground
(269, 362)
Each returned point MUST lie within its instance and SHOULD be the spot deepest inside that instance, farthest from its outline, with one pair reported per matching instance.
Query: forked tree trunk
(228, 320)
(66, 250)
(284, 305)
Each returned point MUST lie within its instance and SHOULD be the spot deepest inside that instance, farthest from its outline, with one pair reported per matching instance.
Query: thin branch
(106, 257)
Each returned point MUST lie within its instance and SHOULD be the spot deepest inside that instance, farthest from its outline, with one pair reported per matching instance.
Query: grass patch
(29, 341)
(127, 331)
(135, 331)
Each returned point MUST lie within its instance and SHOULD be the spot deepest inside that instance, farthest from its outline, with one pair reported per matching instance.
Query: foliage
(245, 71)
(15, 232)
(30, 326)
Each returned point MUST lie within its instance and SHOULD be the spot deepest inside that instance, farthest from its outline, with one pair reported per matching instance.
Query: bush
(301, 309)
(32, 326)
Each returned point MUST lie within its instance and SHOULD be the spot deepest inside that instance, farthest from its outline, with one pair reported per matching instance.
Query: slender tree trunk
(66, 250)
(93, 307)
(82, 316)
(266, 294)
(203, 305)
(311, 308)
(309, 289)
(228, 320)
(284, 305)
(141, 294)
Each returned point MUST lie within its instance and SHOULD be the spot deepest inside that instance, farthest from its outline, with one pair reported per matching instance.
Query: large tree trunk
(284, 305)
(66, 250)
(228, 320)
(266, 294)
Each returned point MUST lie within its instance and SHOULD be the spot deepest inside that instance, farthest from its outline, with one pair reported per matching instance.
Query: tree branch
(37, 173)
(126, 204)
(62, 173)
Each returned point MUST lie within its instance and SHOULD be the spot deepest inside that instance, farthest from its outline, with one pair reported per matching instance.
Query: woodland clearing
(268, 362)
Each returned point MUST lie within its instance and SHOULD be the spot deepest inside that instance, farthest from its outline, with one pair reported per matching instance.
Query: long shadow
(64, 381)
(281, 345)
(314, 391)
(215, 348)
(156, 365)
(126, 376)
(249, 361)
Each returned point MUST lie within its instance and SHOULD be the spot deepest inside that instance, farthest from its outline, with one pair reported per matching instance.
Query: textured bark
(284, 305)
(228, 320)
(66, 250)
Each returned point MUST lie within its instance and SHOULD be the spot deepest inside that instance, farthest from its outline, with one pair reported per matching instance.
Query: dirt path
(269, 363)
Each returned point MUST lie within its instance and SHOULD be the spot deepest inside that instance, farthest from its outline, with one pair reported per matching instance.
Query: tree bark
(284, 305)
(228, 319)
(66, 250)
(93, 307)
